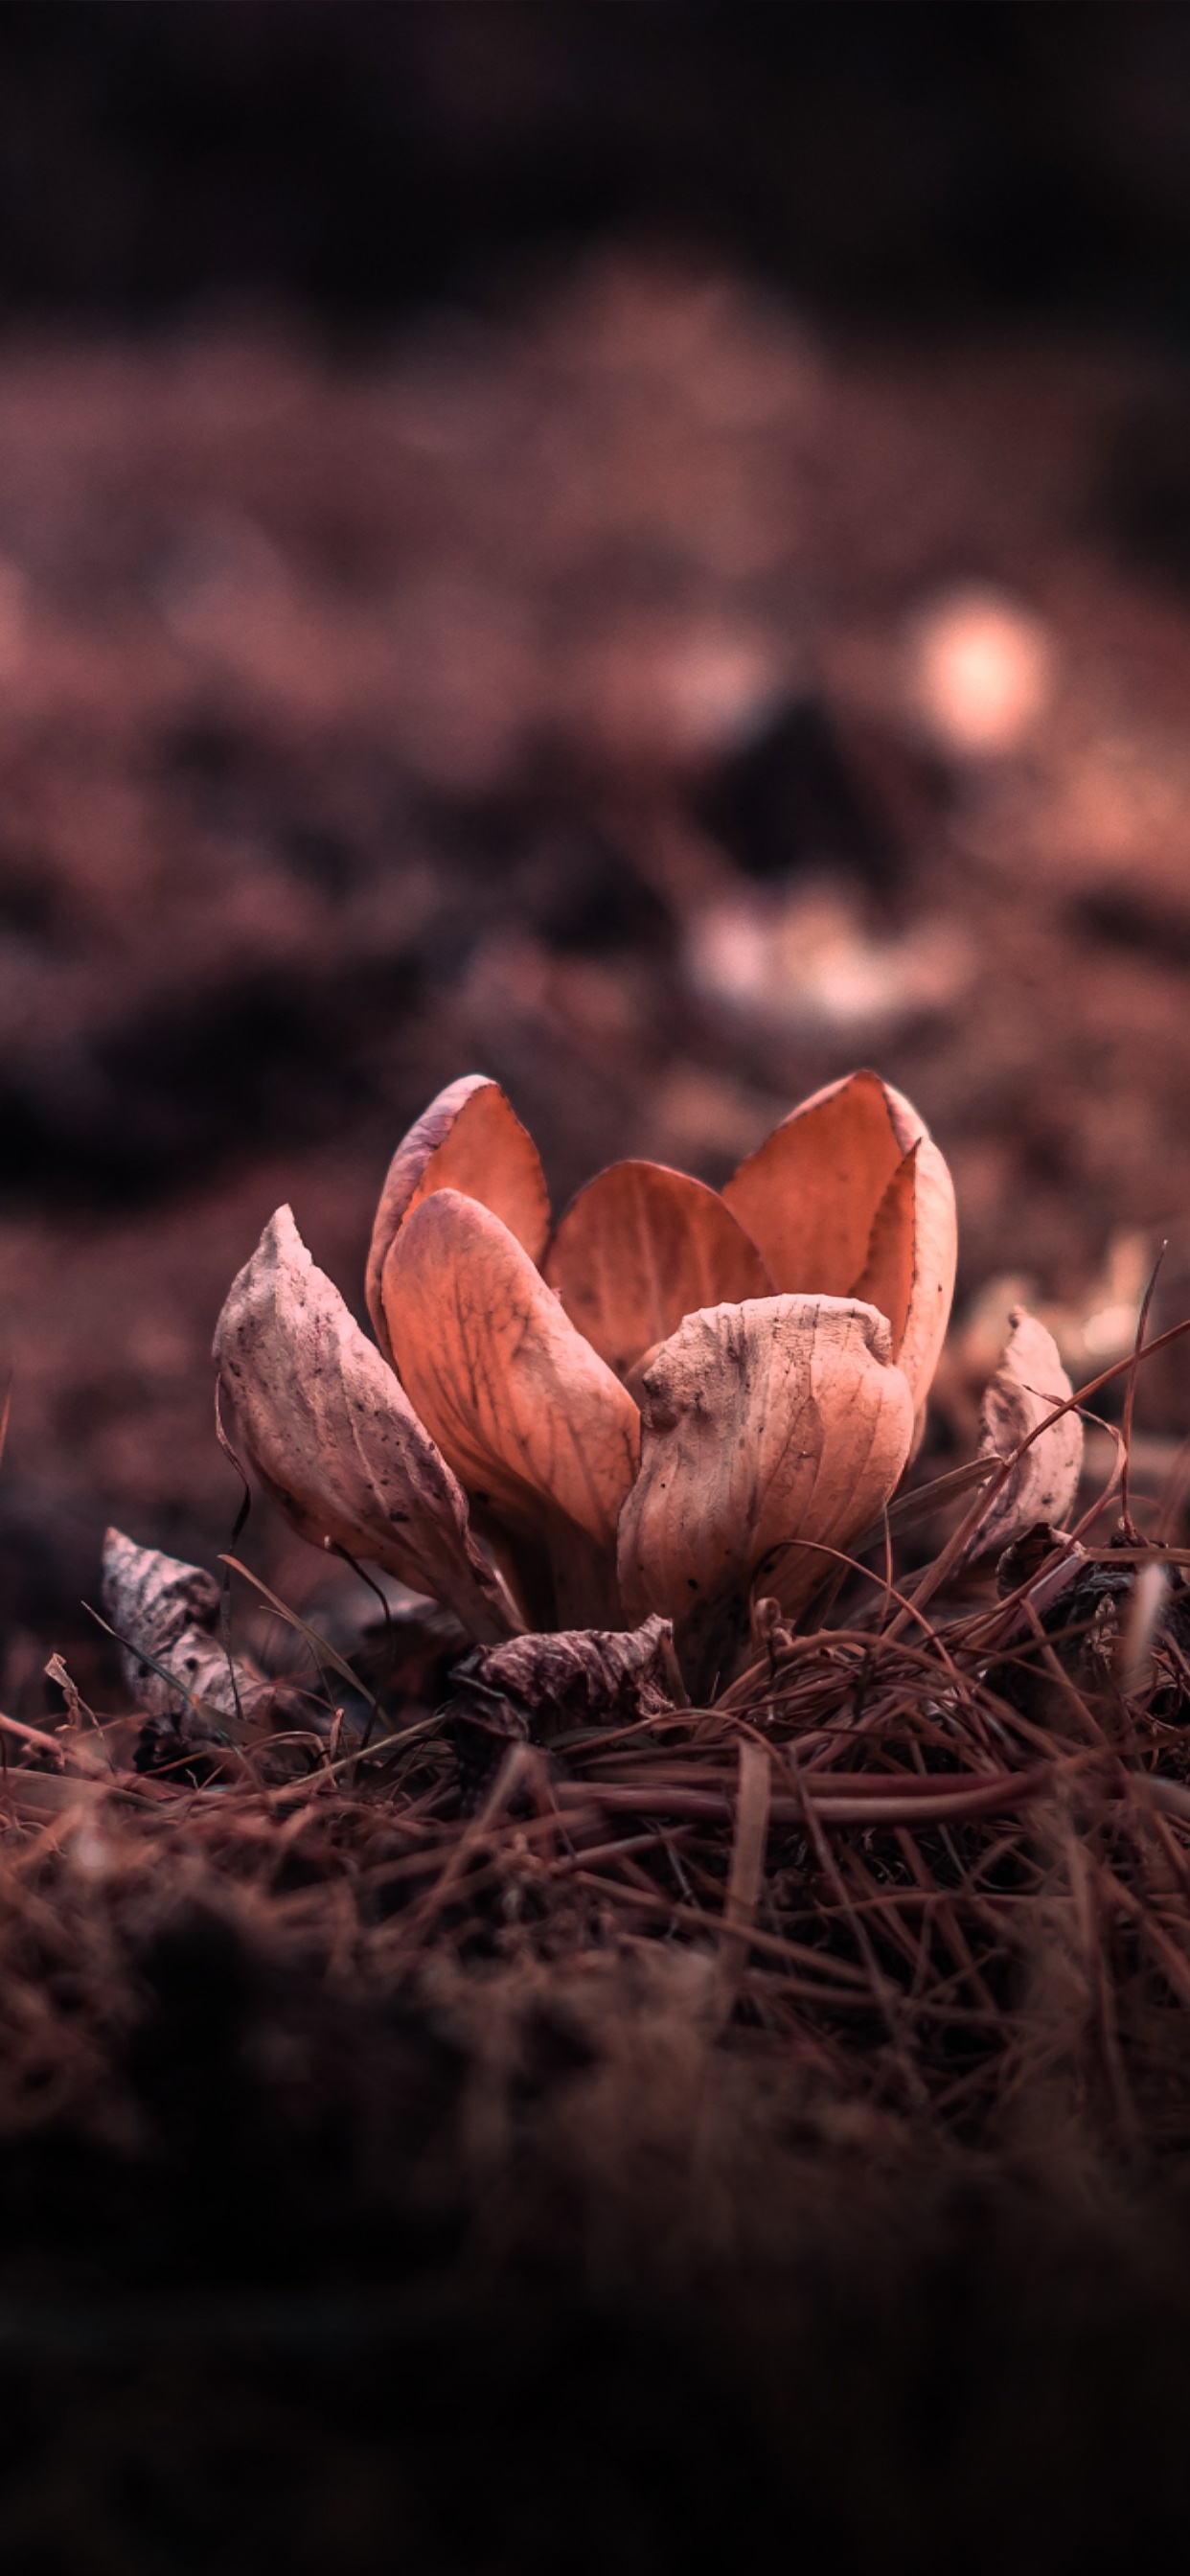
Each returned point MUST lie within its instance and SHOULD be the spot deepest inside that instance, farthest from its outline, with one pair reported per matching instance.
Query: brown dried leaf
(540, 1432)
(170, 1611)
(469, 1139)
(639, 1248)
(1028, 1382)
(580, 1676)
(333, 1435)
(764, 1425)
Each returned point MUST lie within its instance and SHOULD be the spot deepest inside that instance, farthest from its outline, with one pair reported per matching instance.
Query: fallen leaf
(334, 1437)
(764, 1427)
(469, 1139)
(639, 1248)
(579, 1677)
(1025, 1386)
(162, 1608)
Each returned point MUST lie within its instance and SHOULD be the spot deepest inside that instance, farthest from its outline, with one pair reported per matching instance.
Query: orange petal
(764, 1426)
(808, 1196)
(886, 1280)
(640, 1247)
(335, 1439)
(830, 1200)
(469, 1139)
(528, 1416)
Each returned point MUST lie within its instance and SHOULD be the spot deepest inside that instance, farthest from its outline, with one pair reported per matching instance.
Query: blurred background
(636, 546)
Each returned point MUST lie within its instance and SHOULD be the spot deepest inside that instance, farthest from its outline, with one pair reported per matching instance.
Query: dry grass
(936, 1860)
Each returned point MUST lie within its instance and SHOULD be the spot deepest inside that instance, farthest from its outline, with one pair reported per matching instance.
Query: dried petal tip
(1027, 1383)
(335, 1439)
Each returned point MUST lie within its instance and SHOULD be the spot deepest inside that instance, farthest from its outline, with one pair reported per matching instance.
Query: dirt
(548, 696)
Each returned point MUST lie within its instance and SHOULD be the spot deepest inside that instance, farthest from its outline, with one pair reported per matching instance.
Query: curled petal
(542, 1435)
(640, 1247)
(1028, 1381)
(335, 1439)
(469, 1139)
(764, 1427)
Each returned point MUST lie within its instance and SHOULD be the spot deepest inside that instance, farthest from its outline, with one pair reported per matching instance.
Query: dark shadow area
(915, 164)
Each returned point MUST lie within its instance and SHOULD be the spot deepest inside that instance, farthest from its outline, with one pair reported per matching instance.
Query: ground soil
(365, 721)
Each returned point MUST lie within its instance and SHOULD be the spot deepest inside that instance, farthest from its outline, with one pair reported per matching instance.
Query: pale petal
(764, 1425)
(1029, 1380)
(334, 1437)
(469, 1139)
(532, 1421)
(640, 1247)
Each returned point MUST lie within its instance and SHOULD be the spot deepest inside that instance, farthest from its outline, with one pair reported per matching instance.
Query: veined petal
(334, 1437)
(764, 1426)
(639, 1248)
(532, 1421)
(469, 1139)
(808, 1196)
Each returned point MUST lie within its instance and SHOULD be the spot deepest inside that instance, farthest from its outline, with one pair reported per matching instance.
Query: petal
(935, 1253)
(469, 1139)
(808, 1196)
(1029, 1380)
(850, 1196)
(640, 1247)
(536, 1427)
(763, 1425)
(334, 1437)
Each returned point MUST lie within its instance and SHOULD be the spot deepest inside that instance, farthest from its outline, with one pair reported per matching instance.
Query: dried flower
(679, 1397)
